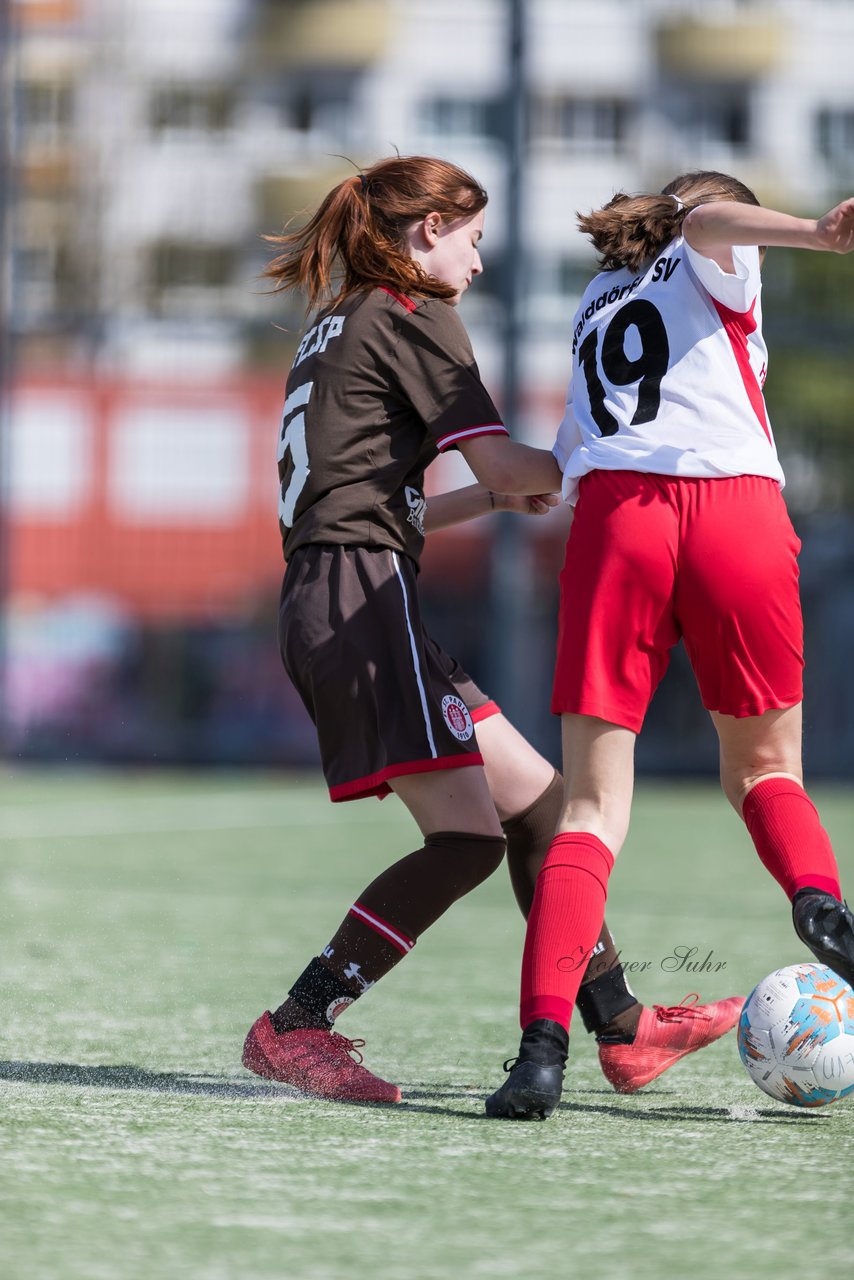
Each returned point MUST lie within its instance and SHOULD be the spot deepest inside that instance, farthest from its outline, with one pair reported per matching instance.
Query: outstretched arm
(712, 229)
(505, 466)
(475, 500)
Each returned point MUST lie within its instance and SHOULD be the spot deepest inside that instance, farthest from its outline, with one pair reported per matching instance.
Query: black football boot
(535, 1081)
(826, 925)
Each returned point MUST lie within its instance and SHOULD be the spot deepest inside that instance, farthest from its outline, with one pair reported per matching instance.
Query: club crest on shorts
(457, 717)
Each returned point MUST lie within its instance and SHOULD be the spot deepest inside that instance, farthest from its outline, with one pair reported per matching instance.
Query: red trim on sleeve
(376, 784)
(483, 713)
(738, 324)
(469, 433)
(400, 297)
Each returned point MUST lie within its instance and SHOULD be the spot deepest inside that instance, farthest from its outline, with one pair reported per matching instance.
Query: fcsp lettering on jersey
(318, 338)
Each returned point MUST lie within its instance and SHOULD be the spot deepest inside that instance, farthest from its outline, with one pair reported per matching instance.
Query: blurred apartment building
(154, 142)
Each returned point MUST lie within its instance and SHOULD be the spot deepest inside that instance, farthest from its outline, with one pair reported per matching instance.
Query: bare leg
(757, 747)
(516, 773)
(598, 770)
(449, 800)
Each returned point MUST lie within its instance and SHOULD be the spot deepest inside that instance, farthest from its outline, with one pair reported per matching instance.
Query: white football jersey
(667, 373)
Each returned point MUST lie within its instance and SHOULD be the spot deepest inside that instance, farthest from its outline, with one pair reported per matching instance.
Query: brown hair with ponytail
(631, 230)
(357, 237)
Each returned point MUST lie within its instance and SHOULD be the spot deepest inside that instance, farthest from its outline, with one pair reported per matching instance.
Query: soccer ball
(796, 1035)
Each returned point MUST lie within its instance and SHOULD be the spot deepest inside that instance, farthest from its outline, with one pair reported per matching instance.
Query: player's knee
(609, 823)
(737, 784)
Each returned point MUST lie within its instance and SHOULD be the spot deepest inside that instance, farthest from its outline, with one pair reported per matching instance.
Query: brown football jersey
(380, 385)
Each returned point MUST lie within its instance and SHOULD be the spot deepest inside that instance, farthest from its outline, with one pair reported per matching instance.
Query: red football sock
(565, 921)
(789, 838)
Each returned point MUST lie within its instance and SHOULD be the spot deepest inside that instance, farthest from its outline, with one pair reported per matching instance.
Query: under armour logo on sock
(354, 973)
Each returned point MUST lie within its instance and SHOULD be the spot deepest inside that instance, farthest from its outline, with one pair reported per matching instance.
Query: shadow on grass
(417, 1098)
(130, 1077)
(628, 1110)
(182, 1083)
(735, 1114)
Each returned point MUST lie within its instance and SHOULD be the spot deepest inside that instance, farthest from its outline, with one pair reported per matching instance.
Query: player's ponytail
(357, 237)
(308, 255)
(630, 230)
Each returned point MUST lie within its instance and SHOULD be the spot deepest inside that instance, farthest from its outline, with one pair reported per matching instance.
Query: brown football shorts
(386, 699)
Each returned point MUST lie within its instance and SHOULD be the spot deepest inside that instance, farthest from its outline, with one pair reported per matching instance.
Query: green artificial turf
(148, 919)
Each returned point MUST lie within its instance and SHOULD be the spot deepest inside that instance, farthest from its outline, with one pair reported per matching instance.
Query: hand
(836, 229)
(535, 504)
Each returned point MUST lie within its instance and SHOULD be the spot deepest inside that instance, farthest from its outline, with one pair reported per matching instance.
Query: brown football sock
(386, 921)
(529, 835)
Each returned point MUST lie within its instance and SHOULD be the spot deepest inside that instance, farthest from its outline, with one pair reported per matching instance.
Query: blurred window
(200, 108)
(50, 454)
(177, 263)
(46, 272)
(573, 277)
(320, 103)
(556, 284)
(187, 276)
(36, 271)
(172, 464)
(834, 128)
(717, 117)
(563, 276)
(584, 124)
(461, 118)
(45, 109)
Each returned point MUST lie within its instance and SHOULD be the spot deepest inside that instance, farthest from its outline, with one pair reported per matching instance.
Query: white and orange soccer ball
(796, 1035)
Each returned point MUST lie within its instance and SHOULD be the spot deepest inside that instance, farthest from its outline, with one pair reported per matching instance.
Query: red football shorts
(651, 559)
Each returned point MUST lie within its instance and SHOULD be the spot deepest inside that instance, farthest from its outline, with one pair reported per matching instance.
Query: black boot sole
(531, 1092)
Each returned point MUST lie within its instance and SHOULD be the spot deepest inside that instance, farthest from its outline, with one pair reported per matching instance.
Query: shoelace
(350, 1047)
(684, 1009)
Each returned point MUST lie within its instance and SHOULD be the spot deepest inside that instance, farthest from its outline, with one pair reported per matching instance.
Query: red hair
(357, 237)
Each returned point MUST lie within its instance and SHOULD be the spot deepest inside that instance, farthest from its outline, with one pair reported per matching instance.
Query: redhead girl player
(383, 381)
(680, 530)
